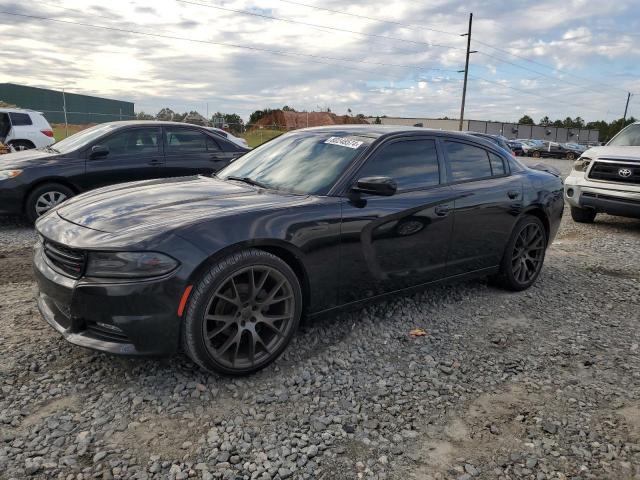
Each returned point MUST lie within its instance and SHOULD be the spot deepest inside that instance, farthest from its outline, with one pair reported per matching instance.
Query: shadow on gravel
(16, 266)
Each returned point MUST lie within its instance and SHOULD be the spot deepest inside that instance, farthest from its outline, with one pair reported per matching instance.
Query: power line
(392, 22)
(224, 44)
(353, 32)
(420, 28)
(546, 97)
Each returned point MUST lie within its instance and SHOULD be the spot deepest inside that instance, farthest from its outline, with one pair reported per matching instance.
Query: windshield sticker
(343, 142)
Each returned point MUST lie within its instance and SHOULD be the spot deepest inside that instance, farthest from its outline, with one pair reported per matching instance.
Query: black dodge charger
(318, 219)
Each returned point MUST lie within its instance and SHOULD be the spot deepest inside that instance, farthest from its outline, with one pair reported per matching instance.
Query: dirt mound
(293, 120)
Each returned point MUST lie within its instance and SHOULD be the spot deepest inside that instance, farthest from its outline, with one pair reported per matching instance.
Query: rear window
(20, 119)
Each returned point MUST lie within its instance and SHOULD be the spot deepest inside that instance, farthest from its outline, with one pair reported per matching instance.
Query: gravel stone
(542, 384)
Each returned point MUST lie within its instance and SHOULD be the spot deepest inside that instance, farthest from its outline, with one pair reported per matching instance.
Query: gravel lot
(543, 384)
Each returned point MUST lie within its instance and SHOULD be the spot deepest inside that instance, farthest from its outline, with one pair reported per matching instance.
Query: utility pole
(626, 107)
(466, 70)
(64, 107)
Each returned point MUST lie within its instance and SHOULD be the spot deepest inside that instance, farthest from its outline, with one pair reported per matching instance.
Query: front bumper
(120, 318)
(604, 197)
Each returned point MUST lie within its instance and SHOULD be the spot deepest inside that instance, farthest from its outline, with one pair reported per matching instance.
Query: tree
(557, 123)
(258, 114)
(526, 120)
(144, 116)
(378, 121)
(545, 121)
(349, 111)
(287, 108)
(165, 114)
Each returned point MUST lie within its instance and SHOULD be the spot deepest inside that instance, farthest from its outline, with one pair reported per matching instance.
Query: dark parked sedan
(315, 220)
(34, 181)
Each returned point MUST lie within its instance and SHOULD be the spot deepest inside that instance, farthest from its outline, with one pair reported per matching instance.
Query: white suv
(607, 179)
(24, 129)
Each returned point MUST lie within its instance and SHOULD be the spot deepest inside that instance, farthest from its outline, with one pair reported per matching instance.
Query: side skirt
(484, 272)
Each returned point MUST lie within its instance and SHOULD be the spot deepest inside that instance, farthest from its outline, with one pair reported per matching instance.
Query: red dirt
(292, 120)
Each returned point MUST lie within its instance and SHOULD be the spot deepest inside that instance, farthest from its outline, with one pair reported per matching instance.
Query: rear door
(488, 201)
(135, 153)
(190, 151)
(391, 243)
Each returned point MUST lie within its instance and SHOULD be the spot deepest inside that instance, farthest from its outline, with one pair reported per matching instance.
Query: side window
(20, 119)
(135, 141)
(467, 162)
(497, 165)
(411, 163)
(189, 141)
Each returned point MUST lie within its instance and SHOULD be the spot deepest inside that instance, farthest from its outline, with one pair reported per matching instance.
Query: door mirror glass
(383, 186)
(99, 151)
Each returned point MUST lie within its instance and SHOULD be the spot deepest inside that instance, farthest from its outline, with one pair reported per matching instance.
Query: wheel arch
(538, 211)
(287, 252)
(43, 181)
(23, 141)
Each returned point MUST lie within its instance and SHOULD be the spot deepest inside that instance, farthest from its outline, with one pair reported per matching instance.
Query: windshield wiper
(247, 180)
(49, 148)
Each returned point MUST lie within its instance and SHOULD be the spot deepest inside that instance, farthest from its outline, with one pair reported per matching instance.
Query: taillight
(48, 133)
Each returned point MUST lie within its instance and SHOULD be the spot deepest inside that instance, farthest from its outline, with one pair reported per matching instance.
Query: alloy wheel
(48, 200)
(249, 317)
(528, 253)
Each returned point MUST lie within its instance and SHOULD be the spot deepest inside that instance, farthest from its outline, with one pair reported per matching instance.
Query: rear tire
(571, 156)
(583, 215)
(44, 198)
(524, 255)
(242, 313)
(20, 145)
(535, 154)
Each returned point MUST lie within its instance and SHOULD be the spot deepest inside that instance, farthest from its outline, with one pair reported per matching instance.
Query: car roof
(377, 131)
(124, 123)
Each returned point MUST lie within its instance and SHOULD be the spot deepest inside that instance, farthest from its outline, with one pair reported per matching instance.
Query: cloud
(584, 53)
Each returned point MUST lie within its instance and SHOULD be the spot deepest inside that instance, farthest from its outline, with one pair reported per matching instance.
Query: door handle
(154, 162)
(513, 194)
(442, 210)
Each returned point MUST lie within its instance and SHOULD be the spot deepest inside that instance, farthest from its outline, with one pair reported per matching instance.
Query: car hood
(26, 158)
(626, 153)
(166, 203)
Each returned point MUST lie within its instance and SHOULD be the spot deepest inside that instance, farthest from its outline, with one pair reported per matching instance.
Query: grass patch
(258, 136)
(59, 131)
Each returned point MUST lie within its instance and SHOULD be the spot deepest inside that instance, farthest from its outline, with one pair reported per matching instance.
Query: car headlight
(581, 164)
(129, 264)
(6, 174)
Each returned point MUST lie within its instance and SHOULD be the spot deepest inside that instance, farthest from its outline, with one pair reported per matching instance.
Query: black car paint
(346, 247)
(78, 171)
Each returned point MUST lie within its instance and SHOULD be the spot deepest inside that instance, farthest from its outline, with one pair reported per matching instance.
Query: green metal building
(81, 109)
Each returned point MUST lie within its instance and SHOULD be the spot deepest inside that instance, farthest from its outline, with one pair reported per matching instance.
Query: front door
(133, 154)
(488, 202)
(391, 243)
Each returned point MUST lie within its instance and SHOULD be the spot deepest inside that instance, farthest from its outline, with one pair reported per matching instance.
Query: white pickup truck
(607, 179)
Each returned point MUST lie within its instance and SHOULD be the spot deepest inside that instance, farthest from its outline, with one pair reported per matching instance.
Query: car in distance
(607, 179)
(516, 147)
(32, 182)
(237, 140)
(24, 129)
(499, 140)
(223, 267)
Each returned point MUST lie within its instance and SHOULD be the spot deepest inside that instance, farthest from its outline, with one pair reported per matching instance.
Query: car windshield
(82, 138)
(300, 162)
(629, 137)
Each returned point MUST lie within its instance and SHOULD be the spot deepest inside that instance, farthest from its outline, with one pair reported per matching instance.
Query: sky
(376, 57)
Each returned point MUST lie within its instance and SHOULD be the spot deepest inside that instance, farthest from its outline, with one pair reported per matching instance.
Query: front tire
(242, 313)
(524, 255)
(571, 156)
(583, 215)
(535, 154)
(44, 198)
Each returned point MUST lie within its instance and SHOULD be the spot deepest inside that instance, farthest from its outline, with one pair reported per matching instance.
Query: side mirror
(99, 151)
(382, 186)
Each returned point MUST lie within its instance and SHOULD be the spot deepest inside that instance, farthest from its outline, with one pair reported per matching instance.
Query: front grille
(66, 260)
(611, 172)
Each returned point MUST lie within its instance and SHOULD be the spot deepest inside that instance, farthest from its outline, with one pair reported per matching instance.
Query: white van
(24, 129)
